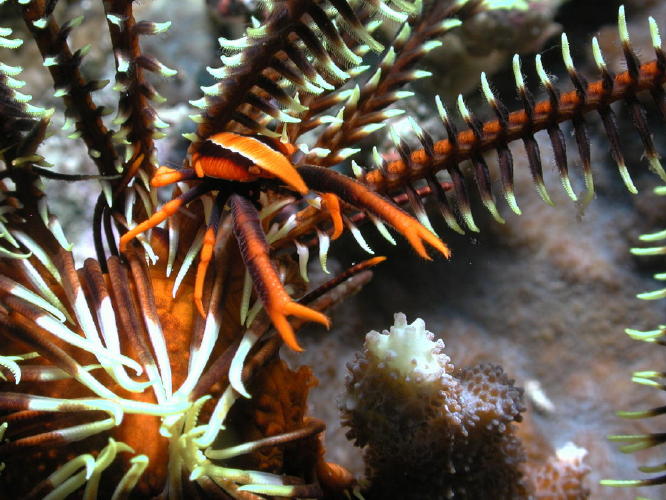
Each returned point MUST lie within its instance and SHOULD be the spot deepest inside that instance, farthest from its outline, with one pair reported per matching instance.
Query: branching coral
(432, 430)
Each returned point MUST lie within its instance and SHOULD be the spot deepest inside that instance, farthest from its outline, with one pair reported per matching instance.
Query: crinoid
(207, 408)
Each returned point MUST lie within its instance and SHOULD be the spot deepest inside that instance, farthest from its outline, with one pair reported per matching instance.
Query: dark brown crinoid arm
(641, 440)
(364, 107)
(64, 66)
(139, 123)
(19, 121)
(22, 130)
(314, 47)
(482, 137)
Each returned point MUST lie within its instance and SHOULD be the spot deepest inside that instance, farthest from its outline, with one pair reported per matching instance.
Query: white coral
(427, 426)
(409, 350)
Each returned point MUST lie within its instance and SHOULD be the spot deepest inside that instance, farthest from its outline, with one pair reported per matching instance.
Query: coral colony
(153, 369)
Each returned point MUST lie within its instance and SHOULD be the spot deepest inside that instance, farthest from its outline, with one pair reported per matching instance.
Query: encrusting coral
(561, 477)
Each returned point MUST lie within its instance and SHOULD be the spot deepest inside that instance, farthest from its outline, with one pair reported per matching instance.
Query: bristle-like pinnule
(630, 443)
(521, 125)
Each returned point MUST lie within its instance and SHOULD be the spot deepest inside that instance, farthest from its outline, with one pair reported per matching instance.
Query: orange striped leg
(255, 252)
(207, 251)
(334, 210)
(355, 193)
(165, 176)
(163, 213)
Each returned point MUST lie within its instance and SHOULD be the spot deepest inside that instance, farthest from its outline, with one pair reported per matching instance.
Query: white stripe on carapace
(261, 155)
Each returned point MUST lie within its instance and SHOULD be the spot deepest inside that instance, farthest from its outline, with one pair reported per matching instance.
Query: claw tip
(200, 307)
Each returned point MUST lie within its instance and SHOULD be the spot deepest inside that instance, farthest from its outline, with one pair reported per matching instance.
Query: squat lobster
(227, 158)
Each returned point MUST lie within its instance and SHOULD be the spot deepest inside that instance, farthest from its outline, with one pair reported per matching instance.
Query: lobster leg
(165, 176)
(163, 213)
(333, 206)
(255, 252)
(207, 250)
(328, 181)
